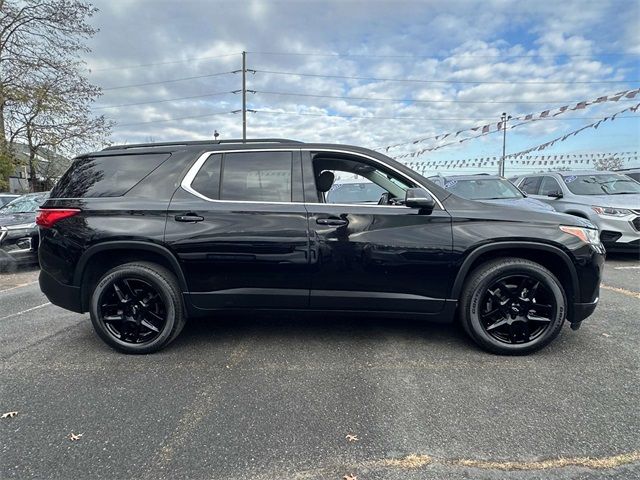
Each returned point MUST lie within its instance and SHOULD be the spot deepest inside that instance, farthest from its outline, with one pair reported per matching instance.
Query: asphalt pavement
(275, 396)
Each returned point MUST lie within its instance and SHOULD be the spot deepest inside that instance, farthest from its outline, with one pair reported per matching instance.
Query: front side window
(256, 176)
(530, 185)
(601, 184)
(347, 180)
(549, 185)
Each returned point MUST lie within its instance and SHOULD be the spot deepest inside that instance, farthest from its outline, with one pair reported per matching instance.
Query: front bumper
(583, 310)
(620, 233)
(65, 296)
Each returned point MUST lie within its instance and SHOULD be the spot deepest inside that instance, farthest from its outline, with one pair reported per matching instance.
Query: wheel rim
(517, 309)
(132, 311)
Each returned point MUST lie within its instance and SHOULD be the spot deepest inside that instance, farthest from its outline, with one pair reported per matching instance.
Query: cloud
(445, 46)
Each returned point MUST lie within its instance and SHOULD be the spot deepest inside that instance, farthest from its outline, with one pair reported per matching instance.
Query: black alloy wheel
(512, 306)
(517, 309)
(132, 310)
(137, 307)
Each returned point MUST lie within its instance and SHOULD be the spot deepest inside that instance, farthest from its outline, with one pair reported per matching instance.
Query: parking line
(18, 286)
(624, 291)
(627, 268)
(25, 311)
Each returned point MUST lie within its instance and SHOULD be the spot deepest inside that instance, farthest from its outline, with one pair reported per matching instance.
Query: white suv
(609, 199)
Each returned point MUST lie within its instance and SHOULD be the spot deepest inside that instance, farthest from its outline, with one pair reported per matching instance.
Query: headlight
(587, 235)
(610, 211)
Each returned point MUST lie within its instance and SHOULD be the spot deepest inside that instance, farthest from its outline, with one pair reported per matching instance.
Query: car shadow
(313, 327)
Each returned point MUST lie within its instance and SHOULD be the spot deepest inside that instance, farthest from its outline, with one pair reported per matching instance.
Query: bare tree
(45, 96)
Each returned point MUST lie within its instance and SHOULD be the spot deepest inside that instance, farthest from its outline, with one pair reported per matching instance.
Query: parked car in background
(18, 231)
(6, 198)
(610, 200)
(144, 236)
(631, 172)
(358, 190)
(489, 189)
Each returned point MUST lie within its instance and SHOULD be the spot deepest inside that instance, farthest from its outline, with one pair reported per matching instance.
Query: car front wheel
(512, 306)
(137, 308)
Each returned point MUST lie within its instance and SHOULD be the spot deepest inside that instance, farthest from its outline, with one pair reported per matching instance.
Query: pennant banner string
(629, 94)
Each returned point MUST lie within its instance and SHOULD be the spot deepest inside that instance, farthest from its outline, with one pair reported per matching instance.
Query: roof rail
(200, 142)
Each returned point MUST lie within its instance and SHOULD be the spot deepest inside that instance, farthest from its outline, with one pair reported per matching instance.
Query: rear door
(239, 228)
(375, 257)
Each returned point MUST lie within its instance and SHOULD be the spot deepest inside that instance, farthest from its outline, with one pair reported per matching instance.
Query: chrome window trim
(195, 168)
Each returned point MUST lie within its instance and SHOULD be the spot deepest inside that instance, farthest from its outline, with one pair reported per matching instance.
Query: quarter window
(256, 176)
(530, 185)
(207, 181)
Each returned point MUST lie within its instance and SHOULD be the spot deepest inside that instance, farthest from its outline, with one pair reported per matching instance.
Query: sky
(371, 73)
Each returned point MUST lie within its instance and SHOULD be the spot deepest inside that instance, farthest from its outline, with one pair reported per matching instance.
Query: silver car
(609, 199)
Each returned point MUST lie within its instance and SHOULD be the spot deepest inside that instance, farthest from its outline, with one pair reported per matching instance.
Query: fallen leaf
(73, 437)
(352, 438)
(350, 477)
(9, 415)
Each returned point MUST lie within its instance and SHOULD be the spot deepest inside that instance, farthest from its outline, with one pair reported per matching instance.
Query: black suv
(145, 236)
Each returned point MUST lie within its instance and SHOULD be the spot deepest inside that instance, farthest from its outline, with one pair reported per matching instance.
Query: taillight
(48, 217)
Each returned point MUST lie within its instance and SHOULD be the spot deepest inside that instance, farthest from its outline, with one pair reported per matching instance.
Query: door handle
(189, 217)
(334, 222)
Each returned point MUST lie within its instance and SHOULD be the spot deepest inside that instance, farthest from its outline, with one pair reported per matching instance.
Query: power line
(167, 81)
(409, 118)
(160, 101)
(474, 82)
(413, 100)
(172, 62)
(172, 119)
(367, 55)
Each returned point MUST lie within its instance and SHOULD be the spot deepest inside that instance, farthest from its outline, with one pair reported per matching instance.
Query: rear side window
(207, 181)
(256, 176)
(110, 176)
(530, 185)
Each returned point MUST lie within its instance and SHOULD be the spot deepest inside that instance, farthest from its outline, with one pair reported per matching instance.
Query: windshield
(483, 189)
(601, 184)
(355, 193)
(24, 204)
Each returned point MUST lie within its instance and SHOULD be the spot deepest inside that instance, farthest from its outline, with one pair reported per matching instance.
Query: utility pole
(503, 122)
(244, 96)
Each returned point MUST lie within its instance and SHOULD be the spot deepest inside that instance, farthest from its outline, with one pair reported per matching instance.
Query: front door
(239, 229)
(369, 253)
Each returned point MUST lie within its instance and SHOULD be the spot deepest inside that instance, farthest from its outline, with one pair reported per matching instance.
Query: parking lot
(275, 396)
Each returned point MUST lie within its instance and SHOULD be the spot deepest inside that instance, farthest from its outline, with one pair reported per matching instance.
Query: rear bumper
(65, 296)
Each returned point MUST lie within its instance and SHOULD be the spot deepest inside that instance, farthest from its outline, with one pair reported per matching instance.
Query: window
(347, 180)
(549, 185)
(256, 176)
(483, 188)
(207, 181)
(530, 185)
(601, 184)
(108, 176)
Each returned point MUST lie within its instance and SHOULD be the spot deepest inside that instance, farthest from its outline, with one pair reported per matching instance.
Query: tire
(512, 306)
(137, 308)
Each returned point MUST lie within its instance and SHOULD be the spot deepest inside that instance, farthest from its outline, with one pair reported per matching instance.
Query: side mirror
(419, 198)
(555, 194)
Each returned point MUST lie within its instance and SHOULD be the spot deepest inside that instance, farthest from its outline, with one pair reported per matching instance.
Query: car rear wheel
(512, 306)
(137, 308)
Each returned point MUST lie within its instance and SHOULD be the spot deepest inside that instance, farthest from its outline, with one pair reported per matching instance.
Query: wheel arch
(102, 257)
(549, 256)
